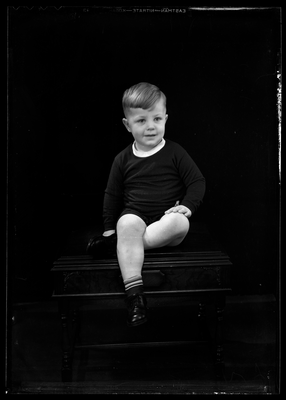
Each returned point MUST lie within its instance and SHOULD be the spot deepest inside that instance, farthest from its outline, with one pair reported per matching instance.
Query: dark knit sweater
(152, 185)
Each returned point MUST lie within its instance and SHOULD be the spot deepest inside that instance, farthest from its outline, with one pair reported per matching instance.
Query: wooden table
(197, 268)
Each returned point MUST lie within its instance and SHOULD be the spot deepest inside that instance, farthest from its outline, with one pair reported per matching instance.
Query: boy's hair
(143, 95)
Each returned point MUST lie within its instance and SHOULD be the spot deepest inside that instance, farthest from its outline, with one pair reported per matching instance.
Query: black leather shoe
(102, 245)
(137, 309)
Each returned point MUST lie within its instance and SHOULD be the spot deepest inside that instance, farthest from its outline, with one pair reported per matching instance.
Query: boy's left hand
(180, 209)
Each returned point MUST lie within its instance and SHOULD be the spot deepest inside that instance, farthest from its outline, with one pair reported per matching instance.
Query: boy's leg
(130, 254)
(170, 230)
(134, 237)
(130, 247)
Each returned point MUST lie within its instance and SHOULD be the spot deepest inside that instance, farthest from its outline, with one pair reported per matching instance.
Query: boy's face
(147, 126)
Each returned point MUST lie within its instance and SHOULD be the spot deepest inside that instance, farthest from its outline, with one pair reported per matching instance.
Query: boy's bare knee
(170, 230)
(181, 227)
(130, 224)
(179, 222)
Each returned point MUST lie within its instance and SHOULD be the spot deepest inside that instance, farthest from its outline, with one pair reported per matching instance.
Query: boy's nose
(150, 126)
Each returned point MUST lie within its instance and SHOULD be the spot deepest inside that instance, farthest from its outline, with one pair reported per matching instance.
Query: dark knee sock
(133, 285)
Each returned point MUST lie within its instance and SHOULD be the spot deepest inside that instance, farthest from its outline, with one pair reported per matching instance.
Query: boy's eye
(142, 120)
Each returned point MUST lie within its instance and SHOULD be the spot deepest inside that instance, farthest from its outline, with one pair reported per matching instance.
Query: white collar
(140, 153)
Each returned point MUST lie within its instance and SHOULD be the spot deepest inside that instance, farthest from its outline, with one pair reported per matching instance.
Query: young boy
(153, 188)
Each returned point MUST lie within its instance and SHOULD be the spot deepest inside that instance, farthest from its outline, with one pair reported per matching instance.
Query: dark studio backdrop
(67, 70)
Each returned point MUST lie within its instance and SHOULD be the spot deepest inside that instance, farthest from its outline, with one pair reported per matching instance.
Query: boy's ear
(125, 123)
(166, 117)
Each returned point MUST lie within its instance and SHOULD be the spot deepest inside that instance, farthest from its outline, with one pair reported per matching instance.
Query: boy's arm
(194, 182)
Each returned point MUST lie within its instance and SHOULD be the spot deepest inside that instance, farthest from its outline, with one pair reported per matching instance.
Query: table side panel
(159, 279)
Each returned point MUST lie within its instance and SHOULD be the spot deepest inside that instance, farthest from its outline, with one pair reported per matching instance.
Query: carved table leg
(219, 356)
(66, 342)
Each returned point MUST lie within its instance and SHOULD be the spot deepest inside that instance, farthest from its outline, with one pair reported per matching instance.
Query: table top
(199, 248)
(198, 264)
(198, 239)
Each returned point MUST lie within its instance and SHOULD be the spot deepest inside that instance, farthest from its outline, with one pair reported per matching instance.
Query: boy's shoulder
(173, 144)
(175, 147)
(126, 152)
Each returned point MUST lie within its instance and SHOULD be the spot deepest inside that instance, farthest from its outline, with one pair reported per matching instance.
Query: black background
(67, 70)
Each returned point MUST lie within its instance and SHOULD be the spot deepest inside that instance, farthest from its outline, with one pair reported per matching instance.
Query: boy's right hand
(108, 233)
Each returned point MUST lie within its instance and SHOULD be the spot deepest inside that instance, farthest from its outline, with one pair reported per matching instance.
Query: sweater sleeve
(113, 197)
(193, 180)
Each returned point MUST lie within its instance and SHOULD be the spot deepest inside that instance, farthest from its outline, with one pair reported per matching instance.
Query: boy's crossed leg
(133, 237)
(170, 230)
